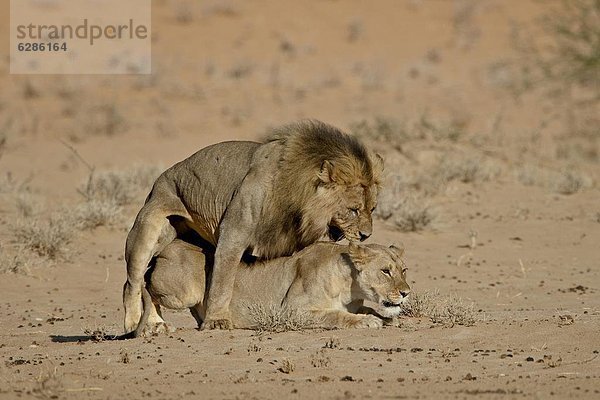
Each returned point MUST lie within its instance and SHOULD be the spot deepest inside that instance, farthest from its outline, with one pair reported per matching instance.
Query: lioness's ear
(397, 251)
(326, 175)
(359, 254)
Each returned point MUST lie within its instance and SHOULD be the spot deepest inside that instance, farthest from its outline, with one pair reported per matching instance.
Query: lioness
(267, 200)
(327, 280)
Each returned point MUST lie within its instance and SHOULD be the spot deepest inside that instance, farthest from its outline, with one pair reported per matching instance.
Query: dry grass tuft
(286, 366)
(408, 212)
(280, 319)
(104, 120)
(466, 169)
(49, 238)
(390, 131)
(419, 304)
(48, 385)
(94, 213)
(16, 263)
(442, 310)
(97, 333)
(454, 311)
(119, 187)
(570, 181)
(566, 181)
(28, 205)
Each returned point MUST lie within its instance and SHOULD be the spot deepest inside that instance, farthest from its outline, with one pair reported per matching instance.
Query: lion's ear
(326, 175)
(397, 252)
(378, 166)
(358, 254)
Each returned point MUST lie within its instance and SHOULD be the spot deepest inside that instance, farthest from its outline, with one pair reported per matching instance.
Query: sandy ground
(523, 251)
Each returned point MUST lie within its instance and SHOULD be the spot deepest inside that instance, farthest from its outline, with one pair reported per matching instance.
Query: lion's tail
(147, 303)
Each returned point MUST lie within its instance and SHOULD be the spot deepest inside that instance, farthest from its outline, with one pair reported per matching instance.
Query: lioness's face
(352, 216)
(382, 276)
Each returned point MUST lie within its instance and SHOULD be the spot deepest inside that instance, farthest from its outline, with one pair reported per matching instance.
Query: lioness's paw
(217, 324)
(367, 321)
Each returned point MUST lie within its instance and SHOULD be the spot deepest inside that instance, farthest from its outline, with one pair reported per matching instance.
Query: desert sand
(491, 187)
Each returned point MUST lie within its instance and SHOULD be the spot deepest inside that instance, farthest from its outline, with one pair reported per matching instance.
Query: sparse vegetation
(48, 238)
(320, 359)
(48, 385)
(279, 319)
(454, 311)
(466, 169)
(286, 366)
(16, 263)
(566, 181)
(407, 212)
(94, 213)
(387, 130)
(104, 119)
(441, 310)
(119, 187)
(28, 205)
(97, 333)
(419, 304)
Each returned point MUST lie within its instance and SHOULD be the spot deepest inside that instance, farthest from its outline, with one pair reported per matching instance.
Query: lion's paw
(160, 328)
(368, 321)
(224, 324)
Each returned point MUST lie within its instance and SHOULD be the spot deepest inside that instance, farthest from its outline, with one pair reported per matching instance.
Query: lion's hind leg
(151, 232)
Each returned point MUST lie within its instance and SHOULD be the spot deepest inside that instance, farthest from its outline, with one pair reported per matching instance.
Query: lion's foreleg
(236, 232)
(220, 291)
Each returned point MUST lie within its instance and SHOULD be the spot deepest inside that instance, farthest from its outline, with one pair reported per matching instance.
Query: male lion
(265, 200)
(327, 281)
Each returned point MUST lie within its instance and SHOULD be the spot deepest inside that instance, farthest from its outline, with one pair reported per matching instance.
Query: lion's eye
(386, 272)
(353, 212)
(373, 209)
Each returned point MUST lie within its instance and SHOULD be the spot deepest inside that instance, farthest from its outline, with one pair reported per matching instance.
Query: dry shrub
(286, 366)
(49, 238)
(566, 181)
(279, 319)
(442, 310)
(8, 184)
(28, 205)
(386, 130)
(16, 263)
(320, 359)
(570, 181)
(413, 214)
(466, 169)
(94, 213)
(408, 212)
(48, 385)
(97, 333)
(419, 304)
(454, 311)
(119, 187)
(104, 120)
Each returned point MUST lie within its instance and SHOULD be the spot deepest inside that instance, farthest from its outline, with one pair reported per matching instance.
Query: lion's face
(352, 214)
(381, 276)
